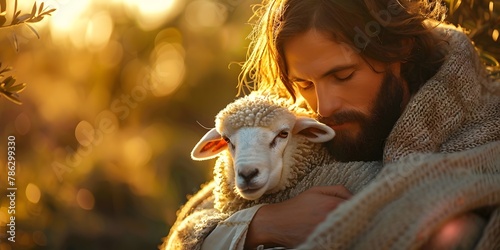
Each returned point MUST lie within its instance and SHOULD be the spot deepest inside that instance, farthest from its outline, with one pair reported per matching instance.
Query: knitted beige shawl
(441, 159)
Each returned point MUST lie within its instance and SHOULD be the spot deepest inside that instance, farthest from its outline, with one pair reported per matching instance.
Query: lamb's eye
(283, 134)
(225, 138)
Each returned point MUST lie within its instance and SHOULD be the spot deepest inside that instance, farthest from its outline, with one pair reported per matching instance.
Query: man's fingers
(337, 191)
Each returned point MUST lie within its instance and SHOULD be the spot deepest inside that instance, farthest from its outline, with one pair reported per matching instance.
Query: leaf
(15, 20)
(34, 30)
(9, 81)
(12, 97)
(23, 18)
(35, 19)
(41, 7)
(16, 44)
(18, 88)
(15, 11)
(48, 12)
(33, 11)
(6, 69)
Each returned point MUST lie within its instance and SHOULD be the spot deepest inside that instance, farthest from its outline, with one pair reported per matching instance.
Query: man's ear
(209, 146)
(313, 130)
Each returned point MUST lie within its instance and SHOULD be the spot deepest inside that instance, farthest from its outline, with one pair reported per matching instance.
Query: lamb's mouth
(250, 189)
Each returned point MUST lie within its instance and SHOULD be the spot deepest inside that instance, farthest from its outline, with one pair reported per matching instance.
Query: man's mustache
(343, 117)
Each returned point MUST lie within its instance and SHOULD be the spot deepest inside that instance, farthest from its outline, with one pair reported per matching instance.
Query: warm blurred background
(115, 94)
(118, 92)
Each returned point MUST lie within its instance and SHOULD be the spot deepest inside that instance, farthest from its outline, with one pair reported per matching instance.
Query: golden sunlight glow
(68, 13)
(62, 104)
(168, 68)
(205, 14)
(150, 14)
(76, 21)
(136, 152)
(111, 55)
(99, 29)
(33, 193)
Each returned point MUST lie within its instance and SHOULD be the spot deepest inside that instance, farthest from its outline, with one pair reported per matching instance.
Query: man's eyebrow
(327, 73)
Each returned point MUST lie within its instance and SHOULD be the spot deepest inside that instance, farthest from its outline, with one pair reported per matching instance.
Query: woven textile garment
(441, 159)
(456, 113)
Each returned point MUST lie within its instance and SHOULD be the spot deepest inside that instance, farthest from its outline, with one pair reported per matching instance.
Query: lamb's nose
(248, 175)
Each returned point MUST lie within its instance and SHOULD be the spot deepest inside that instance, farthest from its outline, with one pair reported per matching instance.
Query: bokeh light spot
(84, 133)
(33, 193)
(168, 68)
(23, 124)
(137, 152)
(494, 35)
(169, 35)
(205, 14)
(85, 199)
(99, 30)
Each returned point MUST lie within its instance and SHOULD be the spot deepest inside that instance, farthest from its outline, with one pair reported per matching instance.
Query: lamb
(265, 147)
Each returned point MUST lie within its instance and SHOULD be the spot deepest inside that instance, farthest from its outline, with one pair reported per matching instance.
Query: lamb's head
(257, 130)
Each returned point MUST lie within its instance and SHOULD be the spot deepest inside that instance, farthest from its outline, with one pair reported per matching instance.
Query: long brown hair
(377, 29)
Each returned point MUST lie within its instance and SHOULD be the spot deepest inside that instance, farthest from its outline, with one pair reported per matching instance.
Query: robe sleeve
(200, 226)
(231, 233)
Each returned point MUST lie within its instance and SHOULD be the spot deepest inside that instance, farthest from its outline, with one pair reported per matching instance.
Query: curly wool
(255, 110)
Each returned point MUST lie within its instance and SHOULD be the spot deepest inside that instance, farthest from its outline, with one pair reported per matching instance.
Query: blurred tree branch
(8, 89)
(481, 18)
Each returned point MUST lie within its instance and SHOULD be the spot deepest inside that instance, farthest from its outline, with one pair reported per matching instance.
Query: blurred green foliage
(118, 93)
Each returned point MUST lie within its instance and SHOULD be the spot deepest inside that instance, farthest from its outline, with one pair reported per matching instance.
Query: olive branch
(36, 15)
(8, 88)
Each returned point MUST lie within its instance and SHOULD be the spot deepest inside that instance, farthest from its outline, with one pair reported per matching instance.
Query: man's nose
(327, 102)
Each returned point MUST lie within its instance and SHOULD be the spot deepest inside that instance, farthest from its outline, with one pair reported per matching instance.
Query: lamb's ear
(313, 130)
(209, 146)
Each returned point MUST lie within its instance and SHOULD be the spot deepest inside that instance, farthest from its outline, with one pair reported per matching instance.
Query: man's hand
(290, 222)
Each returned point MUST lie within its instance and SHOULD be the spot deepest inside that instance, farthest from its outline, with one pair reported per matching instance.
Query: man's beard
(369, 144)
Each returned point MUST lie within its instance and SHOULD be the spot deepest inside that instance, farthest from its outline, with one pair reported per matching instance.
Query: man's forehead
(312, 50)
